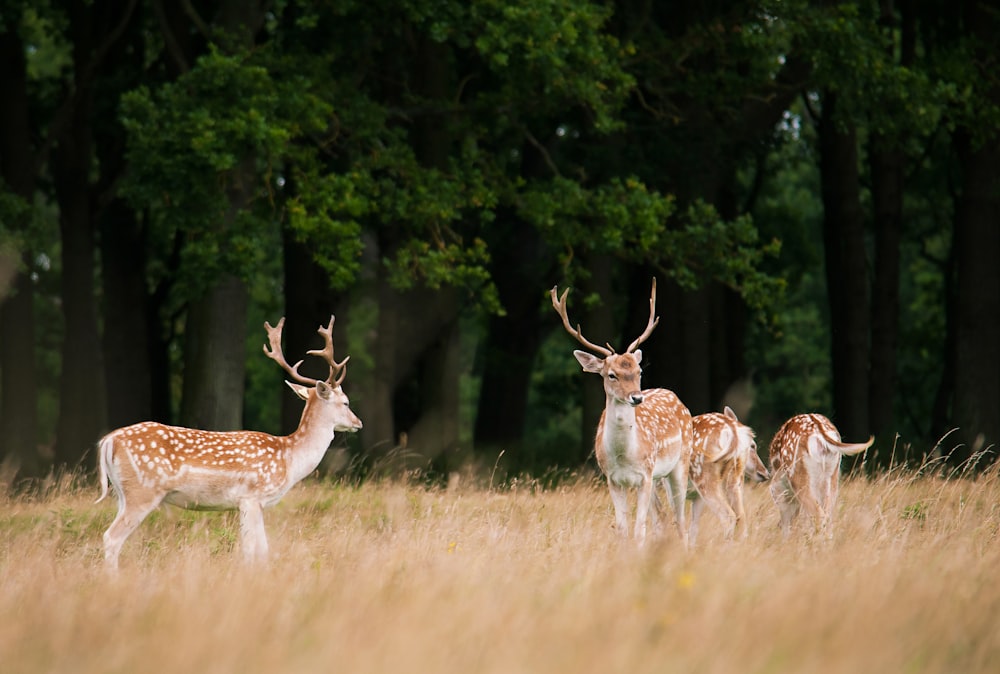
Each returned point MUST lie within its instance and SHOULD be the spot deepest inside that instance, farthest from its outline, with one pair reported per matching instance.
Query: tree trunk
(846, 272)
(214, 358)
(886, 165)
(508, 349)
(435, 434)
(82, 412)
(379, 433)
(126, 306)
(977, 241)
(18, 374)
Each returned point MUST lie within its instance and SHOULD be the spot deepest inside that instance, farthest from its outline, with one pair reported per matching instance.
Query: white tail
(149, 463)
(644, 436)
(724, 453)
(805, 462)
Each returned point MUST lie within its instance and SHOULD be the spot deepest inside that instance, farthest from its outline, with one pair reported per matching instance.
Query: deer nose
(635, 398)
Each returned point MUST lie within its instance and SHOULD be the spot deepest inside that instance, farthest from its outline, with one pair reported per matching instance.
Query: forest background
(815, 185)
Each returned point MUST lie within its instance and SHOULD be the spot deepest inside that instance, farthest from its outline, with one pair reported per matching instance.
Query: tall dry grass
(387, 577)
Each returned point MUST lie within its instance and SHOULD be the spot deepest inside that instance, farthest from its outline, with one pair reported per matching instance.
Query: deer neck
(308, 443)
(619, 422)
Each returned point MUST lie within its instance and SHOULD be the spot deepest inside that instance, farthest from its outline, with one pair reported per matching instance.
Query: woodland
(815, 185)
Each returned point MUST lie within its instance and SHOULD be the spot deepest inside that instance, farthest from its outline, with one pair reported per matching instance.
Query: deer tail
(844, 448)
(105, 448)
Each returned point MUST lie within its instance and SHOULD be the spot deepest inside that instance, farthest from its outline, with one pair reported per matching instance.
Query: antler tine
(653, 320)
(326, 353)
(559, 303)
(275, 354)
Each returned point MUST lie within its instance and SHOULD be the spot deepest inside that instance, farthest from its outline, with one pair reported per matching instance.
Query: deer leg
(832, 493)
(676, 487)
(655, 510)
(734, 495)
(130, 515)
(784, 498)
(253, 537)
(619, 499)
(814, 509)
(712, 496)
(697, 506)
(642, 507)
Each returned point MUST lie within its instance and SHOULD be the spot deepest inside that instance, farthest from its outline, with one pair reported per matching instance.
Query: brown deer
(724, 453)
(149, 463)
(805, 464)
(644, 436)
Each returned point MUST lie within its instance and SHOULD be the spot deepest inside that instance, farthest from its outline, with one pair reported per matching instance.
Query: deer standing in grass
(149, 463)
(724, 452)
(805, 463)
(644, 437)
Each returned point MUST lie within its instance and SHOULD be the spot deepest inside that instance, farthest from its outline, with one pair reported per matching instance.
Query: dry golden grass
(387, 577)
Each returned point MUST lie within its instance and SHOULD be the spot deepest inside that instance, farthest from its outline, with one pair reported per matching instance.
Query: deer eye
(612, 376)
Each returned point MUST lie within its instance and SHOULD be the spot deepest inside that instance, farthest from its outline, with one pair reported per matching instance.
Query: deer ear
(590, 362)
(638, 355)
(323, 390)
(300, 391)
(730, 413)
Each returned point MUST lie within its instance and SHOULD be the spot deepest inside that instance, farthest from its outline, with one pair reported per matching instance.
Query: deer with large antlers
(805, 462)
(644, 437)
(150, 463)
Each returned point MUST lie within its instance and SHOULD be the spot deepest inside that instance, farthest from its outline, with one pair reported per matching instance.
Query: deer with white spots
(150, 463)
(805, 463)
(644, 437)
(724, 453)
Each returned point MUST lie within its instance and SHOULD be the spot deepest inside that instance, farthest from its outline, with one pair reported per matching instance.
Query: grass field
(390, 577)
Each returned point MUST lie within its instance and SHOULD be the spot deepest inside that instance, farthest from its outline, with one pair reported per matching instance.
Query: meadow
(389, 576)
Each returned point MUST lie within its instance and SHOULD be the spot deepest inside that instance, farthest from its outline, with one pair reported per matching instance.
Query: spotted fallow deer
(724, 453)
(644, 437)
(805, 464)
(149, 463)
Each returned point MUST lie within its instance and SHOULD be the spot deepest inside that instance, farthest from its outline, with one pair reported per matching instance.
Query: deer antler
(275, 354)
(559, 303)
(653, 320)
(327, 354)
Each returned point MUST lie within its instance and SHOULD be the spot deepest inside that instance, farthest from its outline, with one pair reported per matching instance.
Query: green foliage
(627, 219)
(854, 57)
(206, 154)
(556, 52)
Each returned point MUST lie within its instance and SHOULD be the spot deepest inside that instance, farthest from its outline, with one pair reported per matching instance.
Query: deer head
(335, 405)
(621, 371)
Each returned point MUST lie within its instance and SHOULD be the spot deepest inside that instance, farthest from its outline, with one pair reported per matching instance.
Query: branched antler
(275, 354)
(559, 303)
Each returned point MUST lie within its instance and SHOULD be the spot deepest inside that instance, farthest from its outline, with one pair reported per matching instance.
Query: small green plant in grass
(915, 511)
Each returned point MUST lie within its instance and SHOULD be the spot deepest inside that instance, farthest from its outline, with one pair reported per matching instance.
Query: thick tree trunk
(18, 375)
(126, 307)
(19, 384)
(82, 417)
(507, 352)
(435, 433)
(82, 412)
(977, 317)
(846, 273)
(379, 433)
(886, 167)
(214, 358)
